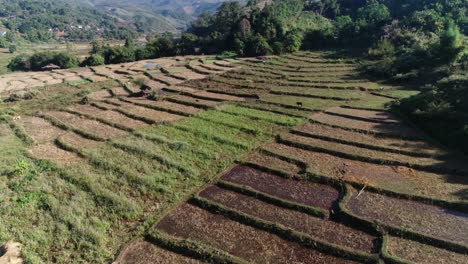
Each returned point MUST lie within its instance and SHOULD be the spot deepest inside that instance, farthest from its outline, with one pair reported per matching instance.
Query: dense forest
(42, 21)
(415, 42)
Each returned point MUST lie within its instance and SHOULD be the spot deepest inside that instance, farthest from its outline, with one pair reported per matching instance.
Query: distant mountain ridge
(155, 15)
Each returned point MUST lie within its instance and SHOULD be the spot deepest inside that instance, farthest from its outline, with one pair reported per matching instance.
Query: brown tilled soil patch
(217, 96)
(90, 126)
(415, 146)
(167, 105)
(376, 154)
(55, 81)
(100, 95)
(395, 178)
(188, 74)
(73, 79)
(312, 194)
(40, 130)
(50, 152)
(197, 66)
(143, 252)
(212, 67)
(78, 142)
(111, 116)
(272, 162)
(155, 85)
(421, 253)
(190, 222)
(318, 228)
(159, 76)
(156, 116)
(422, 218)
(96, 78)
(119, 91)
(378, 116)
(391, 129)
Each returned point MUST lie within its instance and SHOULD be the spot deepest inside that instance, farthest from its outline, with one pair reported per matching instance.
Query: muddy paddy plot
(420, 253)
(393, 178)
(410, 147)
(324, 230)
(273, 162)
(311, 194)
(372, 156)
(190, 222)
(422, 218)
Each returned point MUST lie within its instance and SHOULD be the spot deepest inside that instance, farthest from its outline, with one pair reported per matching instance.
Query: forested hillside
(45, 20)
(149, 16)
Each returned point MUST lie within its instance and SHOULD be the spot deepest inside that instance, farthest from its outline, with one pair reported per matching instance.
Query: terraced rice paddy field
(292, 160)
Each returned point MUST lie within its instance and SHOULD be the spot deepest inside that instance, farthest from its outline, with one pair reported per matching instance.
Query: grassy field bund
(294, 160)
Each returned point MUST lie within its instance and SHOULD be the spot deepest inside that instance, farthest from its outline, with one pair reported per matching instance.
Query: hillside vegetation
(193, 156)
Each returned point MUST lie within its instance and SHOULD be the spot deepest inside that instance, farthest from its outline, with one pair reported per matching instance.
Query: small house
(51, 67)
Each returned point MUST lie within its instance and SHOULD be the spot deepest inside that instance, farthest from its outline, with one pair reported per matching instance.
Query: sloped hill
(156, 15)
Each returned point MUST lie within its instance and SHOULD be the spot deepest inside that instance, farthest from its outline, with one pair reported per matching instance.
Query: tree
(94, 60)
(257, 45)
(129, 42)
(293, 40)
(19, 63)
(162, 47)
(227, 16)
(450, 45)
(12, 48)
(3, 43)
(114, 55)
(187, 44)
(65, 60)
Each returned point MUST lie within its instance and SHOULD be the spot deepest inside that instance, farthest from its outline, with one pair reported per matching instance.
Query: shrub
(94, 60)
(293, 40)
(12, 48)
(20, 63)
(114, 55)
(256, 46)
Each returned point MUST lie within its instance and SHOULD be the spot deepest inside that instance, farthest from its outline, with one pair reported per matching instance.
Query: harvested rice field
(292, 159)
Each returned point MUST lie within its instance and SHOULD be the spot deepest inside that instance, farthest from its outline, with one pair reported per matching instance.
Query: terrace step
(324, 230)
(143, 252)
(416, 148)
(253, 245)
(390, 130)
(394, 179)
(374, 156)
(310, 194)
(428, 220)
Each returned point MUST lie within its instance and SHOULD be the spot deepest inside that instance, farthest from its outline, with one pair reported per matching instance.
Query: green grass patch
(284, 120)
(296, 101)
(372, 102)
(342, 94)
